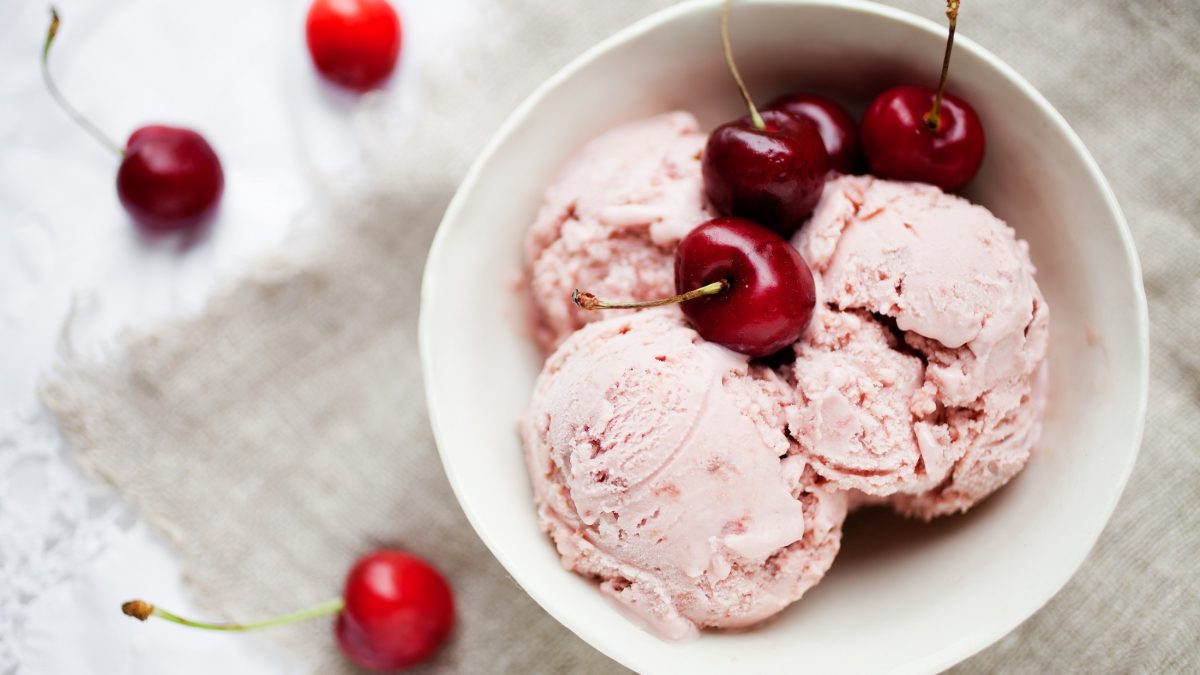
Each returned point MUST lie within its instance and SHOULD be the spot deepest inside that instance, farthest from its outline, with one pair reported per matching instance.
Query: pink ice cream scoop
(611, 219)
(925, 379)
(855, 389)
(660, 466)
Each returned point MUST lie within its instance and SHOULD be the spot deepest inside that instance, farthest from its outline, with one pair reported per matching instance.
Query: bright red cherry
(900, 145)
(770, 167)
(919, 134)
(837, 127)
(395, 612)
(741, 286)
(354, 43)
(169, 178)
(399, 610)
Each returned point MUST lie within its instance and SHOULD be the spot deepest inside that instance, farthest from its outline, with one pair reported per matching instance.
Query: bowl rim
(986, 633)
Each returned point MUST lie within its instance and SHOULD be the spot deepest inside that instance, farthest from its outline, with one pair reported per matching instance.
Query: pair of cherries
(909, 133)
(771, 167)
(395, 611)
(750, 289)
(170, 179)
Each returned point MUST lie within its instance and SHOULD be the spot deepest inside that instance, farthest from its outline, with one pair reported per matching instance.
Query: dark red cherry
(769, 167)
(770, 295)
(837, 127)
(773, 175)
(169, 178)
(354, 43)
(741, 285)
(398, 611)
(900, 145)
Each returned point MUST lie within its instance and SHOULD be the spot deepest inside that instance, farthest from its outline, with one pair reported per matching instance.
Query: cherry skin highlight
(900, 145)
(839, 131)
(770, 296)
(398, 611)
(169, 178)
(771, 175)
(354, 43)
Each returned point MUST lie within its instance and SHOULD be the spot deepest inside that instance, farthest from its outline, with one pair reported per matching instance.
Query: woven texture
(282, 432)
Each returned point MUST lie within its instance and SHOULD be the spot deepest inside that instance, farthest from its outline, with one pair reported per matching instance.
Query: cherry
(919, 134)
(750, 289)
(395, 611)
(399, 610)
(771, 174)
(900, 145)
(169, 177)
(354, 43)
(771, 293)
(770, 167)
(837, 127)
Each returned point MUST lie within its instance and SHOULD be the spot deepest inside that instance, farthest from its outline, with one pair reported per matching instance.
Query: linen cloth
(282, 431)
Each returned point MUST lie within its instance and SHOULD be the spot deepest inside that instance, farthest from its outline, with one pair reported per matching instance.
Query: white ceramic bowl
(902, 597)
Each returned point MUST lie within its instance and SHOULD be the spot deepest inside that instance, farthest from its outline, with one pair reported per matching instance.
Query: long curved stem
(933, 118)
(590, 302)
(142, 610)
(737, 77)
(61, 100)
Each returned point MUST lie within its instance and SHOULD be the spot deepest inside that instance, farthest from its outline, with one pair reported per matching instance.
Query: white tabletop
(237, 72)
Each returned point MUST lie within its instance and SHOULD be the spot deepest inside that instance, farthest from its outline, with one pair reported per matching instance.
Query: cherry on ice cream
(767, 167)
(915, 133)
(741, 286)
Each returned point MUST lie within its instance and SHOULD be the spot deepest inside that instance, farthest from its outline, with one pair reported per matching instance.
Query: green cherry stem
(933, 118)
(142, 610)
(590, 302)
(61, 100)
(737, 77)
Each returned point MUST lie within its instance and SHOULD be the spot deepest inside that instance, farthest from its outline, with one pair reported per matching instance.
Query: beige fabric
(283, 432)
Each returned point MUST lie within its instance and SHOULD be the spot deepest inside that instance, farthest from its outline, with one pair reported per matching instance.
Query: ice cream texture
(661, 466)
(925, 378)
(611, 219)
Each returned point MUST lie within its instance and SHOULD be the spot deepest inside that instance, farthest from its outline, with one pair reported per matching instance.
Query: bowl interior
(902, 597)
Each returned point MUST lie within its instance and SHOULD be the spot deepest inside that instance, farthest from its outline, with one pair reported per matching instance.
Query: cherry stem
(590, 302)
(62, 102)
(737, 77)
(933, 118)
(142, 610)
